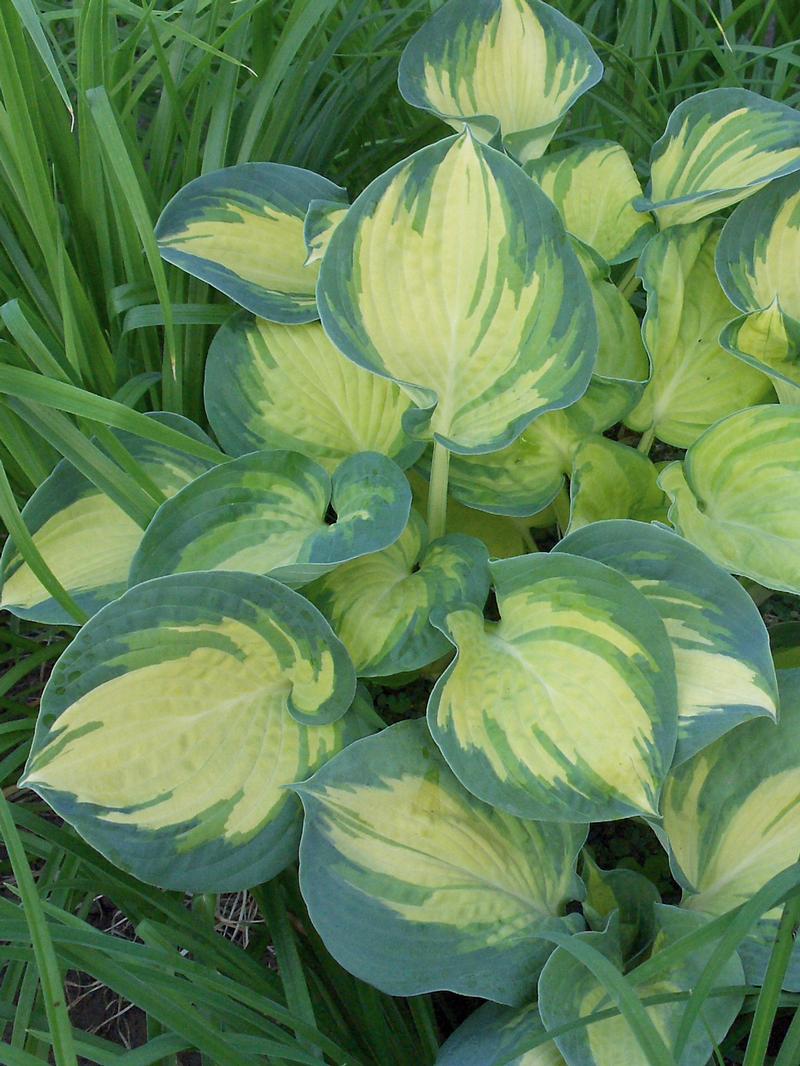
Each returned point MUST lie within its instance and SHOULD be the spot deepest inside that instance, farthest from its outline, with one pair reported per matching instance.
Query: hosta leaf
(265, 513)
(568, 990)
(623, 367)
(241, 230)
(737, 495)
(719, 147)
(566, 707)
(611, 480)
(593, 185)
(492, 1033)
(512, 67)
(525, 477)
(172, 725)
(695, 381)
(379, 605)
(322, 218)
(84, 537)
(519, 480)
(757, 262)
(452, 274)
(732, 816)
(398, 861)
(274, 386)
(627, 892)
(721, 648)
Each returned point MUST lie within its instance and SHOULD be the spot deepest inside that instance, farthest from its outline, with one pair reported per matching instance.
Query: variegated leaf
(630, 894)
(695, 381)
(322, 218)
(737, 495)
(266, 513)
(241, 230)
(173, 723)
(492, 1033)
(611, 480)
(757, 264)
(732, 819)
(719, 147)
(511, 68)
(379, 605)
(568, 991)
(84, 537)
(525, 477)
(274, 386)
(566, 707)
(399, 861)
(452, 275)
(594, 185)
(721, 648)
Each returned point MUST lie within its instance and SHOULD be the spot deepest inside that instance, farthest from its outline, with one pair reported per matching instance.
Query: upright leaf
(566, 707)
(721, 648)
(511, 68)
(241, 230)
(173, 723)
(398, 861)
(757, 266)
(287, 387)
(695, 382)
(594, 187)
(265, 513)
(719, 147)
(452, 275)
(737, 495)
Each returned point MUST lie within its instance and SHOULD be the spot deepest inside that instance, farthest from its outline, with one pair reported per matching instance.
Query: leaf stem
(646, 441)
(629, 283)
(437, 491)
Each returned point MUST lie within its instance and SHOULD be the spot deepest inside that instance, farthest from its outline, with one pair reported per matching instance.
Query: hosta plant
(428, 462)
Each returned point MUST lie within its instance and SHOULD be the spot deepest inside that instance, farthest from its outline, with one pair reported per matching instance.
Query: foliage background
(108, 107)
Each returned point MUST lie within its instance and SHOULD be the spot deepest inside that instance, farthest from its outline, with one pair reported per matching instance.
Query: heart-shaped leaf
(566, 707)
(173, 723)
(594, 185)
(507, 67)
(452, 275)
(719, 147)
(695, 382)
(379, 605)
(241, 230)
(721, 648)
(737, 495)
(399, 861)
(84, 537)
(274, 386)
(568, 990)
(265, 513)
